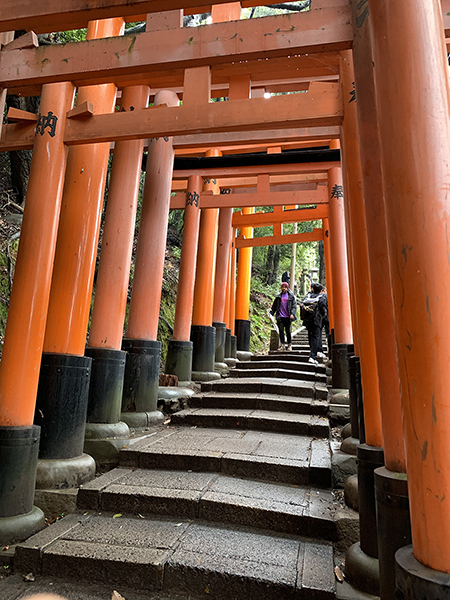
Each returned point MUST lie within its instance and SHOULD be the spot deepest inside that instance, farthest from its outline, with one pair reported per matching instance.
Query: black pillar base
(179, 359)
(141, 381)
(354, 419)
(415, 581)
(242, 328)
(221, 330)
(393, 525)
(339, 359)
(203, 339)
(19, 447)
(106, 387)
(362, 570)
(369, 459)
(61, 404)
(228, 343)
(233, 342)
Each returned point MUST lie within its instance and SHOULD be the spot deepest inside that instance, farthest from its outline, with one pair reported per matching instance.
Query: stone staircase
(232, 500)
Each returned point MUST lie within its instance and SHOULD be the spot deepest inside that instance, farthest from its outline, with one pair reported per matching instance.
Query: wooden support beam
(321, 105)
(28, 40)
(245, 182)
(262, 219)
(264, 138)
(278, 240)
(82, 111)
(235, 172)
(15, 115)
(145, 53)
(275, 198)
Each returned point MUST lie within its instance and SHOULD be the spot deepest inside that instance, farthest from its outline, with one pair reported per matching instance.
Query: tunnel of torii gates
(385, 226)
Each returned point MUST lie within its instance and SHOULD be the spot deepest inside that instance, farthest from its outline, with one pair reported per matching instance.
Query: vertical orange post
(105, 337)
(355, 209)
(327, 254)
(383, 313)
(416, 171)
(141, 382)
(220, 281)
(147, 283)
(339, 268)
(203, 334)
(22, 350)
(206, 258)
(244, 273)
(185, 294)
(64, 378)
(226, 12)
(76, 250)
(21, 357)
(179, 353)
(222, 263)
(118, 233)
(233, 284)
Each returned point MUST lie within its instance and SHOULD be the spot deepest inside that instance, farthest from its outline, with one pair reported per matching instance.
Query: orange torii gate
(412, 173)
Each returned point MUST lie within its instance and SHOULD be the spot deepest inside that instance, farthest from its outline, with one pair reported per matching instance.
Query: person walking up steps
(284, 308)
(313, 311)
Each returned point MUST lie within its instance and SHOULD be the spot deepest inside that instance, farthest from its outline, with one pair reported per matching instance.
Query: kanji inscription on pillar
(337, 191)
(192, 199)
(49, 122)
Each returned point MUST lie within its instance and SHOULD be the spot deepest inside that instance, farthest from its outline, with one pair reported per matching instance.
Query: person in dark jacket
(317, 304)
(284, 308)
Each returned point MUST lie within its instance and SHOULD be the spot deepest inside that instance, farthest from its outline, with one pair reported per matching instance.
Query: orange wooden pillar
(179, 353)
(203, 334)
(225, 230)
(21, 357)
(65, 371)
(394, 530)
(106, 332)
(244, 273)
(342, 346)
(370, 454)
(140, 393)
(415, 158)
(232, 292)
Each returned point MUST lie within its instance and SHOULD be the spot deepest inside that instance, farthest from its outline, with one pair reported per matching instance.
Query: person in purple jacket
(284, 308)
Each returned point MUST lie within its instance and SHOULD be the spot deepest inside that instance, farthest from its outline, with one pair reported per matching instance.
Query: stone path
(231, 500)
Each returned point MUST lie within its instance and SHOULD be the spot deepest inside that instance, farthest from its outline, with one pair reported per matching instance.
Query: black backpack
(309, 308)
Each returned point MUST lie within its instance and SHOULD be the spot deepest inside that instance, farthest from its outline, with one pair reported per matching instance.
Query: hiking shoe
(321, 355)
(289, 347)
(313, 361)
(282, 348)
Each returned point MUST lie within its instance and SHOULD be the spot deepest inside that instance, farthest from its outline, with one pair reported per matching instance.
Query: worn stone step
(278, 373)
(274, 402)
(206, 560)
(261, 420)
(269, 385)
(261, 455)
(300, 510)
(269, 362)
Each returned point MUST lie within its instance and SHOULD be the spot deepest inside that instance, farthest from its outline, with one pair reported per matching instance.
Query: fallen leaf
(142, 516)
(339, 575)
(30, 577)
(5, 548)
(116, 596)
(178, 524)
(117, 515)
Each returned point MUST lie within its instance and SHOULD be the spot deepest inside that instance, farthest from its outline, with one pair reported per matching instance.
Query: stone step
(260, 420)
(261, 455)
(268, 362)
(278, 373)
(269, 385)
(212, 497)
(206, 560)
(272, 402)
